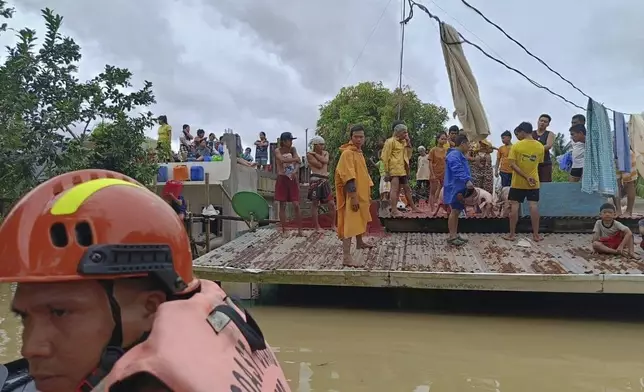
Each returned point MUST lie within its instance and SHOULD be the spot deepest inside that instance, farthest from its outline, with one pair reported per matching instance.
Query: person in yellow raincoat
(353, 192)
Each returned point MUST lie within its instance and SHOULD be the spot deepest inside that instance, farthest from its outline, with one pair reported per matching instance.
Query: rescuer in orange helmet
(96, 255)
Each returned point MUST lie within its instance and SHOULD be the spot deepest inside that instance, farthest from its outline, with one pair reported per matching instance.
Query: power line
(413, 4)
(373, 31)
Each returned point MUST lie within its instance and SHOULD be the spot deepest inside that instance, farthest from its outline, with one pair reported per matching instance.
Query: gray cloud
(267, 65)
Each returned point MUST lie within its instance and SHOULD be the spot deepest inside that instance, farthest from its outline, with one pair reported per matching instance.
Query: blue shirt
(457, 174)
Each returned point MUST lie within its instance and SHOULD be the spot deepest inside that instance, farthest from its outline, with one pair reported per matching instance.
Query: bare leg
(630, 245)
(409, 197)
(601, 248)
(282, 214)
(361, 244)
(452, 223)
(347, 260)
(315, 204)
(432, 194)
(629, 188)
(514, 219)
(298, 217)
(534, 219)
(333, 213)
(393, 196)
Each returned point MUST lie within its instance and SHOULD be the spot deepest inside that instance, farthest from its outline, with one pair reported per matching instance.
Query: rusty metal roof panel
(268, 249)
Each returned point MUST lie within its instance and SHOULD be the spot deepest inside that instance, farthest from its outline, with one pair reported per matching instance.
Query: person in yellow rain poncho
(164, 151)
(396, 154)
(353, 192)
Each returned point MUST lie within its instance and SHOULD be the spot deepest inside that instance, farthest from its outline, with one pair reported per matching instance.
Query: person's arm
(280, 158)
(346, 173)
(596, 231)
(385, 156)
(313, 161)
(258, 143)
(430, 159)
(322, 158)
(457, 169)
(297, 159)
(497, 166)
(512, 160)
(628, 234)
(549, 141)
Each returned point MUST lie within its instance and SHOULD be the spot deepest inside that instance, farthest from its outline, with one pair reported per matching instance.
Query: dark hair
(185, 126)
(578, 128)
(506, 133)
(460, 139)
(212, 134)
(580, 117)
(397, 122)
(201, 132)
(607, 206)
(355, 128)
(262, 133)
(453, 129)
(546, 116)
(438, 136)
(163, 118)
(524, 127)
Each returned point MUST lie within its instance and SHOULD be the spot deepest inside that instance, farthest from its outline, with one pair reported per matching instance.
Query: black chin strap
(114, 350)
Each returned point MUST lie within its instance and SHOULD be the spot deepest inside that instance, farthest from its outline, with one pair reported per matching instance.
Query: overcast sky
(268, 65)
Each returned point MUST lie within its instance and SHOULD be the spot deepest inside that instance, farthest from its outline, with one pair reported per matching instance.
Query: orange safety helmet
(95, 224)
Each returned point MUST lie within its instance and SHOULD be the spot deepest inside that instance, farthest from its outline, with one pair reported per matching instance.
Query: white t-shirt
(578, 149)
(423, 168)
(604, 231)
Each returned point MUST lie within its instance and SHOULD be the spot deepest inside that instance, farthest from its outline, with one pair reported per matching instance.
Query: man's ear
(151, 300)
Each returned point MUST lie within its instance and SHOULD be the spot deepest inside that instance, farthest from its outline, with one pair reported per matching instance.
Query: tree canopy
(47, 113)
(376, 107)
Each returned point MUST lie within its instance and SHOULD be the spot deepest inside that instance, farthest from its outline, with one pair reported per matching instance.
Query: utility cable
(527, 51)
(373, 31)
(413, 4)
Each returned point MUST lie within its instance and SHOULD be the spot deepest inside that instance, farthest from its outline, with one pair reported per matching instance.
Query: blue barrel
(197, 173)
(162, 174)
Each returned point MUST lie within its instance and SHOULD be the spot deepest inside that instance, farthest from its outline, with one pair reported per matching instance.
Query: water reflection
(347, 350)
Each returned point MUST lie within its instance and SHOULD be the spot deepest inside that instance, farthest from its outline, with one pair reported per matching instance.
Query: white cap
(316, 140)
(421, 148)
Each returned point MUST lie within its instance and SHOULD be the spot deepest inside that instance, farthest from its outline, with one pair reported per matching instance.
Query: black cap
(287, 136)
(524, 127)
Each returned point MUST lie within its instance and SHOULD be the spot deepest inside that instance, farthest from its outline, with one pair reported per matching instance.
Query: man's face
(318, 147)
(66, 327)
(287, 143)
(201, 134)
(262, 136)
(519, 135)
(576, 121)
(187, 129)
(506, 139)
(543, 123)
(402, 135)
(211, 137)
(357, 138)
(452, 135)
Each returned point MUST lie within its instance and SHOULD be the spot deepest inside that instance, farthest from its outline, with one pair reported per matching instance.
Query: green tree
(47, 113)
(560, 145)
(375, 107)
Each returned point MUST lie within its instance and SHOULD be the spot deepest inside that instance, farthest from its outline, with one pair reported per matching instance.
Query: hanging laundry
(622, 143)
(465, 90)
(599, 165)
(636, 132)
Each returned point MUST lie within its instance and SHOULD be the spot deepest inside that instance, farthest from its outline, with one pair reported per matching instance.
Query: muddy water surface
(357, 350)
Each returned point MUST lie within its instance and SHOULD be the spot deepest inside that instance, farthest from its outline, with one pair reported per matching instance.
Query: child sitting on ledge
(610, 236)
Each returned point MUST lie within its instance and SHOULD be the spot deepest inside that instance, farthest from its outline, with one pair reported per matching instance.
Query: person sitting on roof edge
(611, 236)
(105, 291)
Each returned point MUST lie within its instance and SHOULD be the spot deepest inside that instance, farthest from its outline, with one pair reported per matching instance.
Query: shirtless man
(319, 188)
(287, 186)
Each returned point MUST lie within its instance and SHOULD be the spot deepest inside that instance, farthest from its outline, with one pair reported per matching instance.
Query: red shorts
(287, 190)
(613, 241)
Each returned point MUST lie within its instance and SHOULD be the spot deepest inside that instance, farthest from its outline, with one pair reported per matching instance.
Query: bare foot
(348, 261)
(537, 238)
(509, 237)
(364, 245)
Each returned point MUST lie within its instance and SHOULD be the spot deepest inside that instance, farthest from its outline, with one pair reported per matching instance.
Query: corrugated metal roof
(267, 249)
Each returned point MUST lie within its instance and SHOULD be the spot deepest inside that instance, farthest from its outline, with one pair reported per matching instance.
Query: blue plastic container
(162, 174)
(197, 173)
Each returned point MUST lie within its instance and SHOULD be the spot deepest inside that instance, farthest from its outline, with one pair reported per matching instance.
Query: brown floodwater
(327, 349)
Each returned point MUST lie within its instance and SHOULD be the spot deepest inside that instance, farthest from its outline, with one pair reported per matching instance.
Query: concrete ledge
(357, 278)
(498, 282)
(587, 283)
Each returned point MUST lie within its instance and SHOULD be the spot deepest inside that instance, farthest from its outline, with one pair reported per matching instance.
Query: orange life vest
(203, 344)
